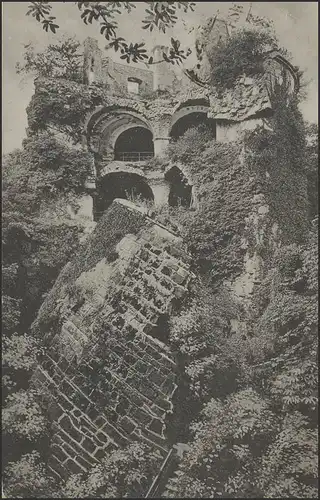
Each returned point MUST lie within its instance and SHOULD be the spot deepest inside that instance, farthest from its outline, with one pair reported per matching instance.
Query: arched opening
(127, 186)
(190, 120)
(134, 144)
(180, 193)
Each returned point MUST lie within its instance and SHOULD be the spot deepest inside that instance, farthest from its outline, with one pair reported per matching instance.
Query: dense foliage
(63, 108)
(42, 178)
(123, 474)
(280, 149)
(249, 409)
(241, 54)
(38, 237)
(28, 477)
(42, 173)
(224, 190)
(60, 60)
(256, 438)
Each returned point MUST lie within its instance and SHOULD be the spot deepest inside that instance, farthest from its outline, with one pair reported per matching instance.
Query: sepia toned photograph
(159, 250)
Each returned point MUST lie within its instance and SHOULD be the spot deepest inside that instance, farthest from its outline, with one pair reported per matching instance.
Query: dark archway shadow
(192, 120)
(125, 185)
(134, 144)
(180, 190)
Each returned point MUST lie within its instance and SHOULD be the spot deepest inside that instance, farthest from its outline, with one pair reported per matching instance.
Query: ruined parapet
(108, 376)
(214, 30)
(163, 75)
(92, 62)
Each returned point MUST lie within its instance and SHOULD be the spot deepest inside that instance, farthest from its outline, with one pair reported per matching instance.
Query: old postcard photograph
(160, 250)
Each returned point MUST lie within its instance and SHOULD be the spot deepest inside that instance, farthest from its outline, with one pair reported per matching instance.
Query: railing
(162, 478)
(134, 156)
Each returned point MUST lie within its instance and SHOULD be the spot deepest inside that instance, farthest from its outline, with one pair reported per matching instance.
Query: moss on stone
(116, 223)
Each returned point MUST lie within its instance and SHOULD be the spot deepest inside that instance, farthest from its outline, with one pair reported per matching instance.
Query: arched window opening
(180, 190)
(134, 144)
(127, 186)
(192, 120)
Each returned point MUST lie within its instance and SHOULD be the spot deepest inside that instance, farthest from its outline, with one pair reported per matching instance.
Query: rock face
(108, 375)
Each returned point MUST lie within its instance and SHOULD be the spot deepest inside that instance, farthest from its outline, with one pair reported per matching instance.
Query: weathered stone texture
(117, 76)
(108, 376)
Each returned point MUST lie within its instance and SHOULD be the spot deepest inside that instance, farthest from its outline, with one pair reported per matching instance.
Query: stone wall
(233, 131)
(117, 75)
(164, 76)
(92, 62)
(108, 376)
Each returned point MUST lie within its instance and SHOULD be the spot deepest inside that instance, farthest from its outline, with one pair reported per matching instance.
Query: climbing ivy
(62, 105)
(277, 155)
(258, 385)
(224, 188)
(257, 439)
(240, 54)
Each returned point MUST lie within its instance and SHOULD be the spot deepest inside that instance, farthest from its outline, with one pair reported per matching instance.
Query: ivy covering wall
(250, 405)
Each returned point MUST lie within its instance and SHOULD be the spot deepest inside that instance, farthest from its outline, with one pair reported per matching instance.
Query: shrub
(59, 60)
(23, 417)
(10, 313)
(188, 146)
(27, 478)
(19, 352)
(240, 54)
(222, 455)
(124, 473)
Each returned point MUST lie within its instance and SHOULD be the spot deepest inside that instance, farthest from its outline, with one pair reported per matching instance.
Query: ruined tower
(108, 375)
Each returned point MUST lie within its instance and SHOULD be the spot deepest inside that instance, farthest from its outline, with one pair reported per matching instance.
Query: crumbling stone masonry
(108, 376)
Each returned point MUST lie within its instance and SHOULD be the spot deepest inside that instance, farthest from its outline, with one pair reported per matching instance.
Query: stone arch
(190, 114)
(121, 184)
(134, 144)
(117, 166)
(91, 117)
(105, 124)
(180, 193)
(190, 106)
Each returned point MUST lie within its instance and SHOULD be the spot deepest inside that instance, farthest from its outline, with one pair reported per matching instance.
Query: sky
(296, 24)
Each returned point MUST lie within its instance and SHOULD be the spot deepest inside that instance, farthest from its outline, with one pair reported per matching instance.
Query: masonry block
(57, 466)
(122, 379)
(89, 445)
(127, 424)
(73, 467)
(156, 426)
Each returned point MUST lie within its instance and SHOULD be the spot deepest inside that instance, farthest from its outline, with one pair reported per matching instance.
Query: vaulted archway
(134, 144)
(104, 130)
(191, 114)
(190, 120)
(125, 185)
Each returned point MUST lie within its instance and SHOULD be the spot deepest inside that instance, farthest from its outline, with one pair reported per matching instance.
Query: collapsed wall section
(108, 376)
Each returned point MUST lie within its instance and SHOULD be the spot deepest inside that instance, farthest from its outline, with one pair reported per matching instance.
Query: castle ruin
(109, 376)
